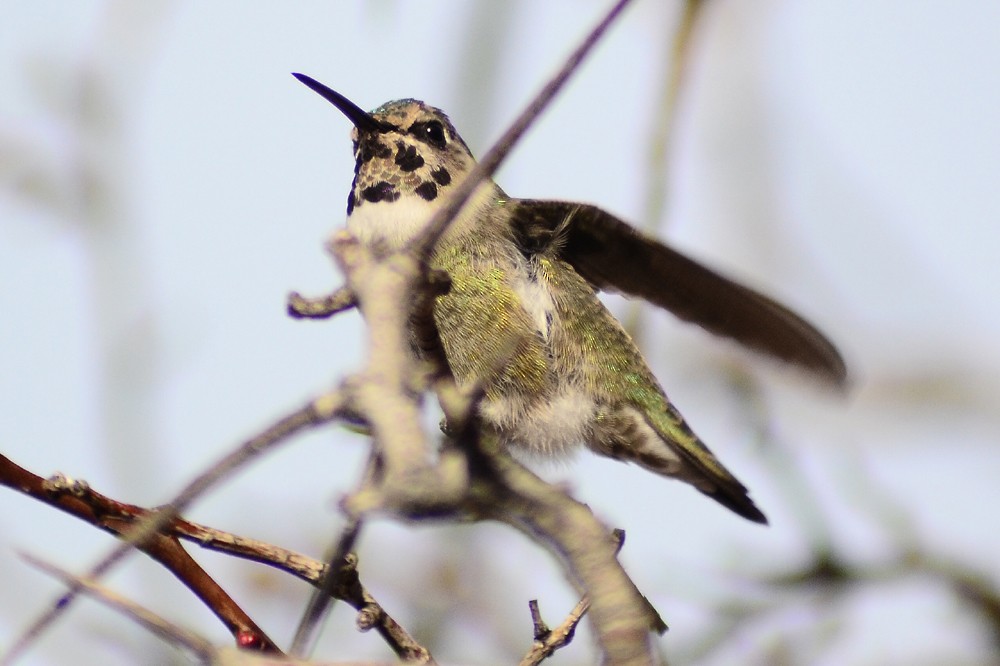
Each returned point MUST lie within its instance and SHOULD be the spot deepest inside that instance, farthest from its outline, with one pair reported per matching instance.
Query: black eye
(432, 132)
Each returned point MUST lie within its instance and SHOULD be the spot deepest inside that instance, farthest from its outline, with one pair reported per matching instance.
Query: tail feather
(738, 502)
(663, 443)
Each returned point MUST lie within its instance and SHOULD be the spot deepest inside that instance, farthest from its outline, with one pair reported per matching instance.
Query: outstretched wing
(614, 256)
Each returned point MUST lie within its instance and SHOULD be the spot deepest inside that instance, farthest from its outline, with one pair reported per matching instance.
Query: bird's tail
(660, 440)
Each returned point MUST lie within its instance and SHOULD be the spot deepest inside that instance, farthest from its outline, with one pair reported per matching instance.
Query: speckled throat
(403, 160)
(402, 149)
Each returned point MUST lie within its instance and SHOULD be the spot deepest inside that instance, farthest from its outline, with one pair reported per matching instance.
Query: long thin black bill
(361, 119)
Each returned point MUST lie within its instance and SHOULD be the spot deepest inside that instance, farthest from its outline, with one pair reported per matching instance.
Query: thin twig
(78, 499)
(177, 636)
(172, 633)
(315, 412)
(506, 491)
(547, 641)
(487, 166)
(323, 307)
(321, 601)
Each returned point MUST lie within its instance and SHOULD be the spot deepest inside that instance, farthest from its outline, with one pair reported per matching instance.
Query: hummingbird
(522, 319)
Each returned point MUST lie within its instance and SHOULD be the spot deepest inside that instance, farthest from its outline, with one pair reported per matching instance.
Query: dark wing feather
(612, 255)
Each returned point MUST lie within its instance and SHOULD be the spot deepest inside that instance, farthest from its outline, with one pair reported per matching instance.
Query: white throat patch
(395, 224)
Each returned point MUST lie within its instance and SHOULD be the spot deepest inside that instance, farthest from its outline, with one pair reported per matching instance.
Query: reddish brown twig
(120, 519)
(78, 499)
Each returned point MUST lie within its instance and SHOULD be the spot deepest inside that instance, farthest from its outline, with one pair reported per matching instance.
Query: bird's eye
(432, 132)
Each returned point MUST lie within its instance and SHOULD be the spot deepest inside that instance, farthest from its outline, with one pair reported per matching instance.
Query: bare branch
(320, 603)
(387, 391)
(506, 491)
(323, 307)
(170, 632)
(77, 498)
(80, 500)
(316, 412)
(547, 641)
(501, 489)
(340, 581)
(423, 245)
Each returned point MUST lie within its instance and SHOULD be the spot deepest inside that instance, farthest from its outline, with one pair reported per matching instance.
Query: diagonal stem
(487, 166)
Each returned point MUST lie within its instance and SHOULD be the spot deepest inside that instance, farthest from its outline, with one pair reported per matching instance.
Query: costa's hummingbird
(522, 318)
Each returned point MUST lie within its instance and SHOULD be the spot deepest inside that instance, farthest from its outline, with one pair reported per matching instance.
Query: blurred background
(164, 182)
